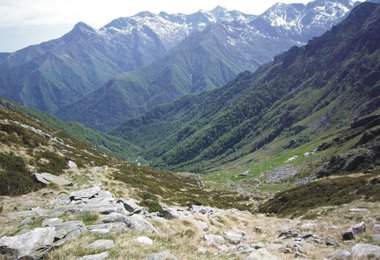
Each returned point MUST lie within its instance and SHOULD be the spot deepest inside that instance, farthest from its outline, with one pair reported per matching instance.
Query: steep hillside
(303, 93)
(201, 62)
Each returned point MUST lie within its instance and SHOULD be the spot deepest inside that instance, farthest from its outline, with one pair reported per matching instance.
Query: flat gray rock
(85, 194)
(365, 251)
(48, 178)
(235, 236)
(214, 239)
(67, 231)
(101, 244)
(31, 245)
(100, 256)
(108, 228)
(162, 256)
(135, 222)
(52, 222)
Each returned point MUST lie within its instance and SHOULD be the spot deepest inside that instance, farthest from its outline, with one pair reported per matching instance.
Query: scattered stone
(130, 205)
(100, 256)
(115, 228)
(260, 254)
(308, 226)
(243, 174)
(51, 222)
(67, 231)
(60, 201)
(85, 194)
(202, 250)
(376, 237)
(258, 230)
(235, 236)
(101, 244)
(340, 254)
(354, 230)
(292, 158)
(204, 210)
(162, 256)
(274, 246)
(359, 228)
(139, 223)
(31, 245)
(72, 165)
(144, 241)
(135, 222)
(376, 228)
(365, 251)
(168, 213)
(47, 178)
(358, 210)
(214, 239)
(203, 225)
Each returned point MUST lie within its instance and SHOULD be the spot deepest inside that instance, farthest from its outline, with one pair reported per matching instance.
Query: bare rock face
(31, 245)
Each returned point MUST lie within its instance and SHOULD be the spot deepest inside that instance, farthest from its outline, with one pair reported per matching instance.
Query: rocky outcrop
(31, 245)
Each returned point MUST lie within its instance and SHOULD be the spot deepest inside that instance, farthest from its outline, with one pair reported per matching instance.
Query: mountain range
(304, 93)
(168, 56)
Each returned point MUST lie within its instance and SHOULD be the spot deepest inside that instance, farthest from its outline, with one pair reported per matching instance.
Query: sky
(26, 22)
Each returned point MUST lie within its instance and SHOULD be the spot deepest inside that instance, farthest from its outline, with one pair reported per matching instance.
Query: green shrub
(17, 183)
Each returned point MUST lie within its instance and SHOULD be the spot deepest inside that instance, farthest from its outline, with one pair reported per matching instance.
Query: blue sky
(26, 22)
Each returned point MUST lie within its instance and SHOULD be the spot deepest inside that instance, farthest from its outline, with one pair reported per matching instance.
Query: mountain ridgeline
(162, 57)
(304, 92)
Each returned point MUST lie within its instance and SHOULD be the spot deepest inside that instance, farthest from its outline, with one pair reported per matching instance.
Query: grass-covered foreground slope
(307, 93)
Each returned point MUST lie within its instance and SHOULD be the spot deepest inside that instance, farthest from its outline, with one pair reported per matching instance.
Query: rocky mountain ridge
(53, 75)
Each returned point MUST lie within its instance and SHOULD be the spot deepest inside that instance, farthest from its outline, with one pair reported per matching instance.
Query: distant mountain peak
(81, 26)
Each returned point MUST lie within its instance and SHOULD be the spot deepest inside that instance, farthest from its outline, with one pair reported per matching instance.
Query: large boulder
(31, 245)
(47, 178)
(365, 251)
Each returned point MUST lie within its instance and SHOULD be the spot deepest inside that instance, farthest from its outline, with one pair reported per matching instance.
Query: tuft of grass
(88, 218)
